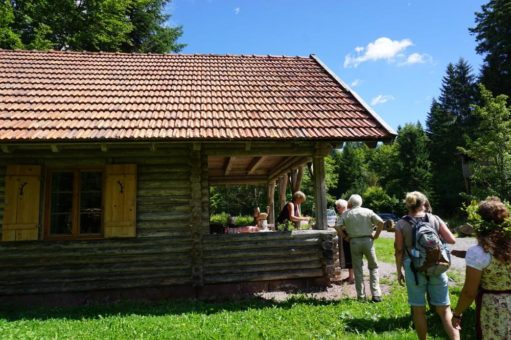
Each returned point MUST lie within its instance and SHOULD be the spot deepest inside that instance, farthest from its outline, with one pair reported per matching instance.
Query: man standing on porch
(357, 225)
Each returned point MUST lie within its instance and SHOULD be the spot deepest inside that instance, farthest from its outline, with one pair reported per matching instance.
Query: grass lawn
(385, 250)
(298, 318)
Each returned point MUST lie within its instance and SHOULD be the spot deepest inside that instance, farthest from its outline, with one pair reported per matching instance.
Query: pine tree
(493, 35)
(449, 120)
(351, 170)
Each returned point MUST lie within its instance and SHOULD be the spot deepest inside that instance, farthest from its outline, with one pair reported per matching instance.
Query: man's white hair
(341, 203)
(355, 201)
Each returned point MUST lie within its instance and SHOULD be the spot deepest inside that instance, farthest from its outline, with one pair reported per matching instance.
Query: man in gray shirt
(357, 225)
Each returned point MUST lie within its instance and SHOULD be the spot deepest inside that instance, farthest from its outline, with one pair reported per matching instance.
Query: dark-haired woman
(488, 273)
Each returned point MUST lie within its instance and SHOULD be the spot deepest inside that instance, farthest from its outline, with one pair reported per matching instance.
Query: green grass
(385, 250)
(298, 318)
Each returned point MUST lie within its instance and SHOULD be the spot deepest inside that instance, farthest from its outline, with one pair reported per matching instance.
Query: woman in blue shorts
(417, 284)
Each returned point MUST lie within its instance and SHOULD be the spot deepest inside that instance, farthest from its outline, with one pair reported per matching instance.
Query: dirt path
(387, 271)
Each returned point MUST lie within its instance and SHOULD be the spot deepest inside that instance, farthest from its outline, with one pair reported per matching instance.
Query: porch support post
(320, 191)
(271, 202)
(196, 219)
(297, 178)
(282, 190)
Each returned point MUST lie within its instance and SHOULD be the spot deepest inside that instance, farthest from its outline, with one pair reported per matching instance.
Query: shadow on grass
(435, 328)
(170, 307)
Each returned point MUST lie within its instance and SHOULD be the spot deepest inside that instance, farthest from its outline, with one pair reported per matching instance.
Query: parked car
(389, 221)
(388, 216)
(331, 217)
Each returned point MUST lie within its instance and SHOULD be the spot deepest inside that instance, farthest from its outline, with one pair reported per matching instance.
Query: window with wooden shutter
(22, 192)
(74, 203)
(120, 200)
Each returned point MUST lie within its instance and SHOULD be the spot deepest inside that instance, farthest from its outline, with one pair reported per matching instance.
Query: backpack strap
(413, 223)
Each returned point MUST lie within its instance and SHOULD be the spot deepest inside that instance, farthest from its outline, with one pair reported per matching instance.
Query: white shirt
(477, 258)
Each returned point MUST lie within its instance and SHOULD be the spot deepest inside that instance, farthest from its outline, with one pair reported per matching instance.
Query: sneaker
(376, 299)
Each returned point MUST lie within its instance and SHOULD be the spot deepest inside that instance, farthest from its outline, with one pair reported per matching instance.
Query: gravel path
(338, 290)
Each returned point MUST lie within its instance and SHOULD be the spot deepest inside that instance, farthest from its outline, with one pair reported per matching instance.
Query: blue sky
(393, 53)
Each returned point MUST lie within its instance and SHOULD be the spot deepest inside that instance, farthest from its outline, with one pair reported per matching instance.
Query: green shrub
(219, 218)
(222, 218)
(378, 200)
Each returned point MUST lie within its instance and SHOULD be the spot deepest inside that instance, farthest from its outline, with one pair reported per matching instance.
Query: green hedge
(239, 220)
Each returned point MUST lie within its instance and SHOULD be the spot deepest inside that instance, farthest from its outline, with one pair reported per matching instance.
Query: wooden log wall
(2, 196)
(269, 256)
(172, 246)
(69, 266)
(159, 255)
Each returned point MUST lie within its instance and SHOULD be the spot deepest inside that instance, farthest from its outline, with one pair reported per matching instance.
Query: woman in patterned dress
(488, 275)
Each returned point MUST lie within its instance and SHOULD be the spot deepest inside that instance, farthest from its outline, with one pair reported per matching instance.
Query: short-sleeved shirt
(358, 222)
(406, 229)
(477, 258)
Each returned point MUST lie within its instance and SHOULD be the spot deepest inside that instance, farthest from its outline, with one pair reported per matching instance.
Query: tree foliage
(88, 25)
(490, 151)
(413, 164)
(377, 199)
(449, 119)
(8, 37)
(493, 36)
(352, 170)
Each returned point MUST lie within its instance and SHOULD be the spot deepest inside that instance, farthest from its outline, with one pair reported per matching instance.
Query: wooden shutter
(120, 200)
(22, 192)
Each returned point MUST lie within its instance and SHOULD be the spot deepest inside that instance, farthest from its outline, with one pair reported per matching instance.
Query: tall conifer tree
(493, 36)
(450, 119)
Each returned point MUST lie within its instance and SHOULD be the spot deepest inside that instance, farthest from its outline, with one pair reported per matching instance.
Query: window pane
(61, 203)
(90, 202)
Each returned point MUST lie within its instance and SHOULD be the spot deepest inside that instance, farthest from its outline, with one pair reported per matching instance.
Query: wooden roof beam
(228, 165)
(281, 166)
(255, 164)
(237, 180)
(295, 163)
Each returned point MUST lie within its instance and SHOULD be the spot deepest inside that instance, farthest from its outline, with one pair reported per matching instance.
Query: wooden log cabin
(106, 161)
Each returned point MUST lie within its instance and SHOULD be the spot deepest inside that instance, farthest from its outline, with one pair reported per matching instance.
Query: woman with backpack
(420, 250)
(488, 273)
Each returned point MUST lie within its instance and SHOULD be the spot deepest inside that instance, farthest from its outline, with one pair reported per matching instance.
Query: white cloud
(237, 10)
(417, 58)
(381, 99)
(356, 83)
(382, 48)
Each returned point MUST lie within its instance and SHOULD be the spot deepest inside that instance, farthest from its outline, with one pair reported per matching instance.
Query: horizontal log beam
(270, 151)
(261, 276)
(233, 180)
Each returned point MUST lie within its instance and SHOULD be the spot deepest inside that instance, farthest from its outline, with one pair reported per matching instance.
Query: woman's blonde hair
(299, 194)
(414, 200)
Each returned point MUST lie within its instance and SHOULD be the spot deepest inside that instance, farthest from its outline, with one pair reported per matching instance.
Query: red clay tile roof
(114, 96)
